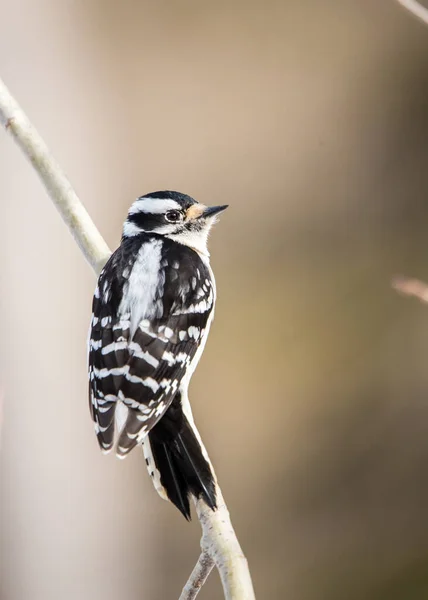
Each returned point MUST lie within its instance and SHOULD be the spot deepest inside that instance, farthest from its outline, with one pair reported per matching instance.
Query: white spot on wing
(160, 409)
(147, 381)
(121, 416)
(102, 373)
(114, 347)
(168, 333)
(123, 323)
(193, 332)
(138, 352)
(168, 357)
(106, 291)
(181, 357)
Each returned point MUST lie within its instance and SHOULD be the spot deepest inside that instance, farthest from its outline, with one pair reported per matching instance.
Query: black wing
(108, 329)
(145, 372)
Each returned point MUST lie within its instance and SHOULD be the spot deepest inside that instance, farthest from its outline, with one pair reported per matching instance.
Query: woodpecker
(151, 314)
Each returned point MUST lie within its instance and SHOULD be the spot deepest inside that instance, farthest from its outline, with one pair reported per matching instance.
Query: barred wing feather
(144, 373)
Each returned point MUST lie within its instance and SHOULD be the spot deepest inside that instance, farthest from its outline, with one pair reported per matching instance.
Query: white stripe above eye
(153, 205)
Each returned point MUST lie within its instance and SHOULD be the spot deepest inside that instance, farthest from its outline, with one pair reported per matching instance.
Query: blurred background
(311, 120)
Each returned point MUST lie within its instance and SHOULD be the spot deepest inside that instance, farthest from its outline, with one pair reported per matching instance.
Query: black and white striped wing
(144, 372)
(108, 357)
(108, 351)
(159, 358)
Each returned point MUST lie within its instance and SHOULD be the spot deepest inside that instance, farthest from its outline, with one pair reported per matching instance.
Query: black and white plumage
(152, 310)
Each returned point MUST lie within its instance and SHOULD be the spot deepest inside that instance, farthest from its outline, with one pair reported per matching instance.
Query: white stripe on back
(143, 291)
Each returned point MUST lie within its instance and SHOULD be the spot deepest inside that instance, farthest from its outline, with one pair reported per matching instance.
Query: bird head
(173, 215)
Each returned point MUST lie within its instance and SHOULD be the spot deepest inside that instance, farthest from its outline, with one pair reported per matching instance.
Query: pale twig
(219, 540)
(416, 9)
(411, 287)
(87, 236)
(1, 414)
(198, 577)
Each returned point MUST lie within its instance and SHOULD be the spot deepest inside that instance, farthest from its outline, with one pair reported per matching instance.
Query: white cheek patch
(131, 229)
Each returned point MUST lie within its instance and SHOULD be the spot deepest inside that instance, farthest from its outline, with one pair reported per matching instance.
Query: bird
(151, 314)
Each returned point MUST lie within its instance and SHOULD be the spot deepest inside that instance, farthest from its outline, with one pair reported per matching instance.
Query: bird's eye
(173, 216)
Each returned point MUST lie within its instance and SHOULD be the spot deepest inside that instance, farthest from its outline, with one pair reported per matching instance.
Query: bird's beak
(210, 211)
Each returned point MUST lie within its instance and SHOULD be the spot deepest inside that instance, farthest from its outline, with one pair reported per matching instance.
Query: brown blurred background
(311, 120)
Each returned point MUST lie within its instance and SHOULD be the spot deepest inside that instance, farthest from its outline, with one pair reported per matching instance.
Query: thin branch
(411, 287)
(198, 577)
(419, 11)
(219, 541)
(78, 221)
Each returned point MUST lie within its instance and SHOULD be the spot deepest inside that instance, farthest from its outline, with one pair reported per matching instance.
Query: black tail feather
(171, 478)
(205, 484)
(181, 464)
